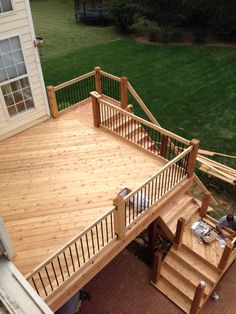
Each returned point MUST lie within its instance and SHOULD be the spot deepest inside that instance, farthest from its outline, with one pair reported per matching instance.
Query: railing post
(119, 217)
(98, 80)
(52, 101)
(157, 267)
(124, 92)
(179, 231)
(205, 204)
(192, 157)
(164, 145)
(197, 297)
(225, 256)
(96, 110)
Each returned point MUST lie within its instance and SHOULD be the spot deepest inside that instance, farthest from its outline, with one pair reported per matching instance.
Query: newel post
(157, 267)
(164, 145)
(197, 297)
(205, 204)
(124, 92)
(96, 110)
(52, 101)
(98, 80)
(192, 157)
(179, 231)
(225, 256)
(119, 217)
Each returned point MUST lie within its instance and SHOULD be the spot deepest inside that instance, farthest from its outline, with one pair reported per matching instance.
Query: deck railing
(137, 202)
(137, 130)
(57, 269)
(178, 153)
(73, 92)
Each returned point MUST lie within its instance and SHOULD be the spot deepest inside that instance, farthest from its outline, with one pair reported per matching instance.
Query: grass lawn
(190, 89)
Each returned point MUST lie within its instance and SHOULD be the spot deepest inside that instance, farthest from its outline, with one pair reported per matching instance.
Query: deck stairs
(131, 129)
(184, 266)
(181, 272)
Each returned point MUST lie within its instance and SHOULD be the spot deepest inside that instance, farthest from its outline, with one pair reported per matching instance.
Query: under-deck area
(59, 177)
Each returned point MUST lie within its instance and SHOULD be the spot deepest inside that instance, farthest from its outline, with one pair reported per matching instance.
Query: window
(14, 80)
(5, 6)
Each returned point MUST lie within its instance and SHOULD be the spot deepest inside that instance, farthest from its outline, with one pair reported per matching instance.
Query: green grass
(190, 89)
(54, 20)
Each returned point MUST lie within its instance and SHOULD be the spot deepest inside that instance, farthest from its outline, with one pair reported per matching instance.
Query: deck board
(60, 176)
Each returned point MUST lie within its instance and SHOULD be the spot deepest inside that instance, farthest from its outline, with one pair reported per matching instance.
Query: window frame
(13, 11)
(17, 78)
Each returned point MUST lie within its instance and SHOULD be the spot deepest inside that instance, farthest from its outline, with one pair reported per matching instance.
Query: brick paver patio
(123, 287)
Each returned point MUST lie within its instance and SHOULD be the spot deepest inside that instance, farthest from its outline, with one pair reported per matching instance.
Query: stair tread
(179, 204)
(187, 271)
(187, 212)
(174, 294)
(198, 262)
(176, 279)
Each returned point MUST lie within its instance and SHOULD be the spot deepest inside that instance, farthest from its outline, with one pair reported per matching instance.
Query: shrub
(178, 36)
(144, 26)
(199, 36)
(123, 13)
(153, 36)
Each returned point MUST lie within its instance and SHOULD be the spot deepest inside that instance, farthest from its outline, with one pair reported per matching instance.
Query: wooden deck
(59, 177)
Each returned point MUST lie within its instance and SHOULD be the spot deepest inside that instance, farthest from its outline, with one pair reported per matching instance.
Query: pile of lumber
(216, 169)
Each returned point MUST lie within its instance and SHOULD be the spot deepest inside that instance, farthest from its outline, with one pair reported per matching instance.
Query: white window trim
(12, 12)
(30, 111)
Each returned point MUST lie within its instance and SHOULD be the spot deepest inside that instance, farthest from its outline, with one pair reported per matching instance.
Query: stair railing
(136, 130)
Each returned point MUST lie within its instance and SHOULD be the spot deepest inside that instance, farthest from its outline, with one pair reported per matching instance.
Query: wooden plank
(59, 177)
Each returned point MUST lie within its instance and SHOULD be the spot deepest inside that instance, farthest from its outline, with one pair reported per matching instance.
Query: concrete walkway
(123, 287)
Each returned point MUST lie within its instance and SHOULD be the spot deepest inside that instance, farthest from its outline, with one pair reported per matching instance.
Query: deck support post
(157, 267)
(52, 101)
(96, 110)
(119, 217)
(179, 231)
(98, 80)
(205, 204)
(124, 92)
(197, 297)
(225, 256)
(164, 145)
(192, 157)
(152, 234)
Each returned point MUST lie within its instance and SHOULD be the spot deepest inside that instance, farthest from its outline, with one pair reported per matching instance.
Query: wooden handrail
(111, 76)
(142, 104)
(75, 80)
(168, 165)
(54, 255)
(149, 124)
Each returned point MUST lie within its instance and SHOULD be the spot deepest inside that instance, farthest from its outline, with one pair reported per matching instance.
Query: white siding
(13, 24)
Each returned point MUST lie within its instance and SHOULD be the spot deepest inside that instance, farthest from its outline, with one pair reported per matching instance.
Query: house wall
(19, 23)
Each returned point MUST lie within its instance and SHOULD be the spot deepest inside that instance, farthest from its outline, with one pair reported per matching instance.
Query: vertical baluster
(65, 259)
(92, 241)
(72, 259)
(112, 230)
(54, 272)
(97, 238)
(87, 245)
(59, 263)
(82, 249)
(77, 254)
(44, 288)
(35, 286)
(107, 230)
(49, 279)
(102, 234)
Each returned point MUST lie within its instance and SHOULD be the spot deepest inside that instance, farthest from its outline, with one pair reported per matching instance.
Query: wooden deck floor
(59, 177)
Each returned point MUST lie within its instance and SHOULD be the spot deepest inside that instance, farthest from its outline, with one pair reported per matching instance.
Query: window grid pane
(11, 59)
(5, 6)
(18, 97)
